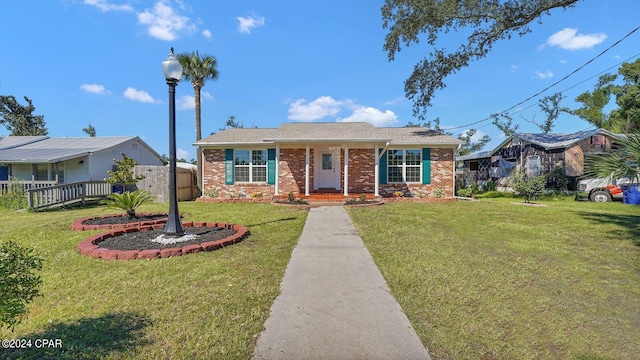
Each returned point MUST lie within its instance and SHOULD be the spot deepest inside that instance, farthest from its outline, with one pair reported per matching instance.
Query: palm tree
(616, 164)
(198, 69)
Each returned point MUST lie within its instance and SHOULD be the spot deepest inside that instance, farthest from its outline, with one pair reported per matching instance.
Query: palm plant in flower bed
(129, 201)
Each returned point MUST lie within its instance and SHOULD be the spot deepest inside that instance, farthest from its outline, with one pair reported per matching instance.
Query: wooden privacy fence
(63, 194)
(156, 181)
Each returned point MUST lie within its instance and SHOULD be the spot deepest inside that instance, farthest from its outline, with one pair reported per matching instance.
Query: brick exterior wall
(442, 174)
(291, 176)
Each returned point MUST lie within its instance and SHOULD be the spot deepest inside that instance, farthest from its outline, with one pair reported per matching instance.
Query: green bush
(530, 188)
(128, 201)
(490, 186)
(13, 198)
(18, 283)
(465, 192)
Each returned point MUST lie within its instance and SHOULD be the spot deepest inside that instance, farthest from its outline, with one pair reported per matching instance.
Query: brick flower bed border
(91, 246)
(78, 226)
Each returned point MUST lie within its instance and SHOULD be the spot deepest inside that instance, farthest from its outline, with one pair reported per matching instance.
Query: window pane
(394, 157)
(327, 162)
(413, 157)
(242, 157)
(259, 173)
(413, 173)
(395, 174)
(259, 157)
(41, 172)
(242, 174)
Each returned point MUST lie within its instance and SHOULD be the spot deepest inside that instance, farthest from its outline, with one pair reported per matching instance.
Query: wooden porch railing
(26, 185)
(61, 194)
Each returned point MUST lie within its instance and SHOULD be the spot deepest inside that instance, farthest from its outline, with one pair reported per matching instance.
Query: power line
(555, 83)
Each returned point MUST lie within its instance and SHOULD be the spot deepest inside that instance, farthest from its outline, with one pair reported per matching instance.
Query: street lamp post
(172, 71)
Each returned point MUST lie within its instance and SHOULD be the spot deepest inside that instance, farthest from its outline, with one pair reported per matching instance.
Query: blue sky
(98, 62)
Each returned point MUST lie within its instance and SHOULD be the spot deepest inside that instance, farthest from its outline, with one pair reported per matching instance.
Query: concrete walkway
(334, 303)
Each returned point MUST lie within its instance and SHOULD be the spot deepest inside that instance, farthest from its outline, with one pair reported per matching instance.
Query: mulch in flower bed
(141, 240)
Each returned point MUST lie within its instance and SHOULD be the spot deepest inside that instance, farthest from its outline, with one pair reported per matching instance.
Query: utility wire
(554, 84)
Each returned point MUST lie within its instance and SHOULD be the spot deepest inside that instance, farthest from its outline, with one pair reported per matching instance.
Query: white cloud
(186, 102)
(544, 75)
(246, 24)
(514, 68)
(182, 154)
(94, 89)
(164, 23)
(395, 101)
(373, 116)
(569, 39)
(138, 95)
(105, 6)
(317, 109)
(206, 33)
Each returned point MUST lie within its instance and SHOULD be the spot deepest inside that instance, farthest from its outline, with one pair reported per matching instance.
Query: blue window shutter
(271, 166)
(426, 166)
(383, 168)
(228, 166)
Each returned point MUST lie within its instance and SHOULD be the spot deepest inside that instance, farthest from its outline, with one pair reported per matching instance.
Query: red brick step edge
(90, 246)
(78, 226)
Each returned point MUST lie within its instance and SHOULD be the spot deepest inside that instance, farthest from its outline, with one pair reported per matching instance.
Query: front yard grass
(208, 305)
(495, 280)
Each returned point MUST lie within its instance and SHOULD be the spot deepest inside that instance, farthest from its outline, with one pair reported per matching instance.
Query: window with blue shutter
(383, 167)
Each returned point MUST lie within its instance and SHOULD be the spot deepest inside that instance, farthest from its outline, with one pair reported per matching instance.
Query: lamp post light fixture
(172, 71)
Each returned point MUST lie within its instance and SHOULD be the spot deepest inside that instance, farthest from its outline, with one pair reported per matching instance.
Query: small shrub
(290, 197)
(362, 197)
(475, 188)
(531, 188)
(490, 186)
(124, 172)
(19, 285)
(438, 192)
(464, 192)
(213, 192)
(398, 194)
(13, 198)
(128, 201)
(256, 194)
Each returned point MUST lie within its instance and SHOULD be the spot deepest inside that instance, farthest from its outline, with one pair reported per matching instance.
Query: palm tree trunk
(199, 157)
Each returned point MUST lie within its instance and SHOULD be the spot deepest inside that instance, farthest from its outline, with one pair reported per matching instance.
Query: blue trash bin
(631, 194)
(118, 189)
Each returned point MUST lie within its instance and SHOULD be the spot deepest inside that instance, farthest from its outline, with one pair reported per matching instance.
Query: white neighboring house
(41, 159)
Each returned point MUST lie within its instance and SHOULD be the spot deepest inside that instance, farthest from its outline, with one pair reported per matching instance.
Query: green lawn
(495, 280)
(201, 306)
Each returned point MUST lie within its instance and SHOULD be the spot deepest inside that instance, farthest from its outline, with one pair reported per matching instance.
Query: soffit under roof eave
(328, 140)
(238, 143)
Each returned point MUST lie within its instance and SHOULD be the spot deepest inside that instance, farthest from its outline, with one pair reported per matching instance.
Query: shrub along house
(345, 158)
(536, 154)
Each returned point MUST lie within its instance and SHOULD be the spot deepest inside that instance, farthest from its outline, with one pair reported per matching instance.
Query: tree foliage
(626, 117)
(19, 284)
(19, 119)
(123, 174)
(530, 188)
(488, 22)
(90, 130)
(616, 164)
(232, 123)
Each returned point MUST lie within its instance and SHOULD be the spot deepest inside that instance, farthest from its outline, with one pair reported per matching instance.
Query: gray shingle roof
(329, 132)
(48, 150)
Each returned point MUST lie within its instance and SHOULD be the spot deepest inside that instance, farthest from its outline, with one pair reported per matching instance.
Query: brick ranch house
(345, 158)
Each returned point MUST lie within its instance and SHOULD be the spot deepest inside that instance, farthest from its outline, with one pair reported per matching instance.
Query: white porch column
(306, 172)
(346, 170)
(277, 184)
(376, 173)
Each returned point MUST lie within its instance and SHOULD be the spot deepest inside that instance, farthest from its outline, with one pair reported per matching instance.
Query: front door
(327, 172)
